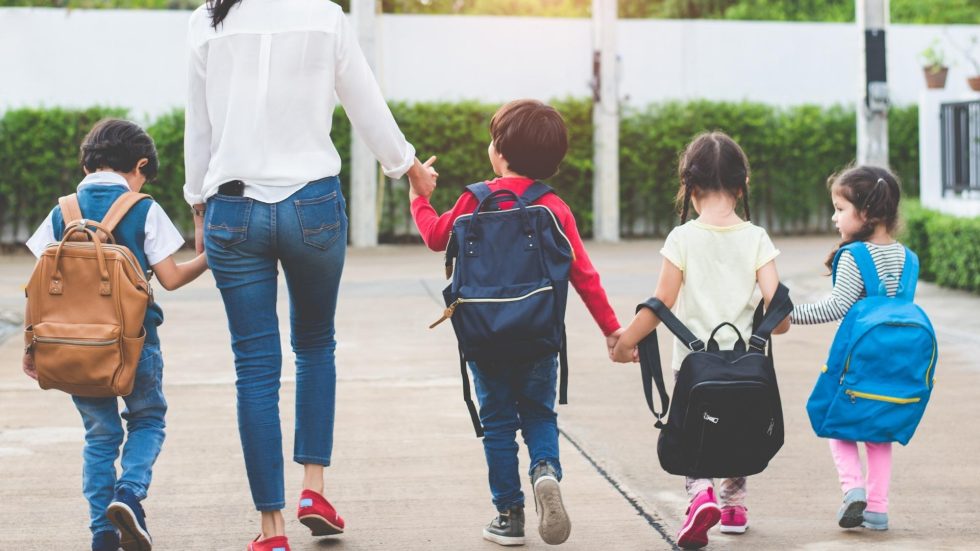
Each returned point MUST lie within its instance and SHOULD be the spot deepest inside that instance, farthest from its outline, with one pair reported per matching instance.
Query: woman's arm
(768, 279)
(668, 287)
(174, 276)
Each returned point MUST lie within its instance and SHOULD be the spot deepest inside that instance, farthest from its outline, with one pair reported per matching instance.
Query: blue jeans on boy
(144, 414)
(516, 397)
(246, 240)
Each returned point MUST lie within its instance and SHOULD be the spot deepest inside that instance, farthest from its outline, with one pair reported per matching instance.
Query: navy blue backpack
(509, 285)
(881, 368)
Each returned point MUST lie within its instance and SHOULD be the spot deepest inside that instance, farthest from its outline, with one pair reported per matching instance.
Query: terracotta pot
(974, 83)
(935, 78)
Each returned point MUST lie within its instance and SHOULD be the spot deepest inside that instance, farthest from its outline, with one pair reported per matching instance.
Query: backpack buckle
(758, 343)
(696, 345)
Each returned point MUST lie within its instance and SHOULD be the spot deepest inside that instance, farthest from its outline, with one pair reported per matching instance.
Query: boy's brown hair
(531, 136)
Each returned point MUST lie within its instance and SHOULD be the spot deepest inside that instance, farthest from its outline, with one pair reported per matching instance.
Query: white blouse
(262, 95)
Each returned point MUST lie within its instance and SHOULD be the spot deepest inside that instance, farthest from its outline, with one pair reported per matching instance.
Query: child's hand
(422, 179)
(611, 341)
(28, 365)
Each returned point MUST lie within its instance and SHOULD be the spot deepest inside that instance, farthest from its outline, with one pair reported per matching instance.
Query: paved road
(407, 472)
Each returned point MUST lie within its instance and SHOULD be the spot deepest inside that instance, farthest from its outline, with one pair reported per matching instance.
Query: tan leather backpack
(86, 301)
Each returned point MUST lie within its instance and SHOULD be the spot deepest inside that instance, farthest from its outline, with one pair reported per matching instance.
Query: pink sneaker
(734, 520)
(702, 514)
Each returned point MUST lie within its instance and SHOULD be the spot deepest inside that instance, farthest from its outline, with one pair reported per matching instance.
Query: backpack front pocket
(879, 414)
(516, 315)
(76, 355)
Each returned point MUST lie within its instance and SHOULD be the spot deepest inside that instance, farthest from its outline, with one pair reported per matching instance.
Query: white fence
(135, 59)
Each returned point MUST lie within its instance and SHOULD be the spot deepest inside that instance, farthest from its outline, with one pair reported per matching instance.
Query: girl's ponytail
(712, 162)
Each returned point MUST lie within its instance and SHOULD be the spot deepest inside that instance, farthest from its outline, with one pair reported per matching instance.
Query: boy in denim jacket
(118, 156)
(529, 141)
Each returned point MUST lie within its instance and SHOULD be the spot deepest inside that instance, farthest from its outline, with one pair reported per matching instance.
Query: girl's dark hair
(874, 192)
(219, 10)
(119, 145)
(713, 162)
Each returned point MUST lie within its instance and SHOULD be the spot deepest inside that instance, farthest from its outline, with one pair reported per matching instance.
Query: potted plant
(934, 65)
(974, 81)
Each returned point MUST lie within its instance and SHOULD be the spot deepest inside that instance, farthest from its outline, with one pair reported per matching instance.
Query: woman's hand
(422, 179)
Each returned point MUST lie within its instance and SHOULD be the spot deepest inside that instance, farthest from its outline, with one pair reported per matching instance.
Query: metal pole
(364, 167)
(872, 108)
(605, 117)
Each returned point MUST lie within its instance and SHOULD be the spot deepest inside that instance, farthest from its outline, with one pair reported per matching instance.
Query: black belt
(234, 188)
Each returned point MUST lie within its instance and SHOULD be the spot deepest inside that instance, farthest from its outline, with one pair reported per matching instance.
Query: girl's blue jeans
(517, 397)
(246, 241)
(144, 414)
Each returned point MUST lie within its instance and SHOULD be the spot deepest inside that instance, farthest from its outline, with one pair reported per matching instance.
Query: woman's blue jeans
(517, 397)
(144, 415)
(246, 240)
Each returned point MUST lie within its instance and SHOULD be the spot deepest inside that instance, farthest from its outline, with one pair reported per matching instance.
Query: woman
(262, 181)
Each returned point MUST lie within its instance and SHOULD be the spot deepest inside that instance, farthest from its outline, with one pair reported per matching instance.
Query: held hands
(422, 179)
(611, 341)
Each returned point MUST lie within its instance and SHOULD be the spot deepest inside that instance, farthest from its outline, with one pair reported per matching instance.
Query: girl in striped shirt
(865, 202)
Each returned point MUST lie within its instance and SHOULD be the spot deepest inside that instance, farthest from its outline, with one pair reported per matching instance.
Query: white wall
(135, 59)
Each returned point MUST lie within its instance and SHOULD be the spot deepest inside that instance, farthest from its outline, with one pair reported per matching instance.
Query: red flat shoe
(275, 543)
(316, 513)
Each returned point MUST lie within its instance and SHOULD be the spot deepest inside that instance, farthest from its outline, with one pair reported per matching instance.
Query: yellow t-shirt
(719, 265)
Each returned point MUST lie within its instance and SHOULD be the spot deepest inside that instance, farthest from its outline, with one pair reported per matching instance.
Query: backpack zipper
(75, 342)
(932, 360)
(448, 312)
(881, 398)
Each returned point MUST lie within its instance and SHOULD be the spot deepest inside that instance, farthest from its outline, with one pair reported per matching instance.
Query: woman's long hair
(875, 193)
(219, 10)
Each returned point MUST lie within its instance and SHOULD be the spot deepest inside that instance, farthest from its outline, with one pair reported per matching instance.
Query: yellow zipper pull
(446, 314)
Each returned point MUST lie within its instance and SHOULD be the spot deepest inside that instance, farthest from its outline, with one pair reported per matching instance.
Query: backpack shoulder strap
(865, 264)
(480, 189)
(535, 191)
(120, 207)
(651, 371)
(673, 324)
(779, 307)
(71, 211)
(910, 276)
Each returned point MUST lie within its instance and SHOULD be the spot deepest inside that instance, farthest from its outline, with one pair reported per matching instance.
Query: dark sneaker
(126, 514)
(851, 512)
(553, 523)
(105, 541)
(507, 528)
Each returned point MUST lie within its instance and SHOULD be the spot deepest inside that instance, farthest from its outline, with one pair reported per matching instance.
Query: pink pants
(879, 470)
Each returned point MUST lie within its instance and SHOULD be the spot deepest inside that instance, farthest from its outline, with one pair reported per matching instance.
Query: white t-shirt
(719, 265)
(161, 240)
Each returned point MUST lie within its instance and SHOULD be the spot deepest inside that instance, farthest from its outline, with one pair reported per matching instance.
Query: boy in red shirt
(529, 141)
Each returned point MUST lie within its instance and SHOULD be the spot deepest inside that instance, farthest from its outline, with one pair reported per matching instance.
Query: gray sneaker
(553, 523)
(507, 528)
(875, 521)
(851, 512)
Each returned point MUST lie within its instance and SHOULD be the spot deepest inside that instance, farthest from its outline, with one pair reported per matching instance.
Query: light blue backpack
(881, 367)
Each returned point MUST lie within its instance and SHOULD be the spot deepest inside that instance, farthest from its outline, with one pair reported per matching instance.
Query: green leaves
(948, 249)
(791, 151)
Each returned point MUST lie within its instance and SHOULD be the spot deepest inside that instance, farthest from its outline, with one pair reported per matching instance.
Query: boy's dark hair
(713, 162)
(119, 145)
(532, 137)
(875, 192)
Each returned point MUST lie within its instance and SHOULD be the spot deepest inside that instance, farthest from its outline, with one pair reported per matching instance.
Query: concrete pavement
(409, 474)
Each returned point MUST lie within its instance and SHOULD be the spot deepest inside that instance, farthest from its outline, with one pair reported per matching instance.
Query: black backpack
(509, 285)
(725, 418)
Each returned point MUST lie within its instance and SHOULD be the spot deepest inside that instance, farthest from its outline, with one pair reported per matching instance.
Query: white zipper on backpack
(448, 312)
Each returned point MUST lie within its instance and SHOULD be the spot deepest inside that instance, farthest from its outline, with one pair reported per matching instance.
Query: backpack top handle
(473, 231)
(739, 343)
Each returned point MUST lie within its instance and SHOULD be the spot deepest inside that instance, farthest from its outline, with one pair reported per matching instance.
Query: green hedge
(947, 246)
(792, 150)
